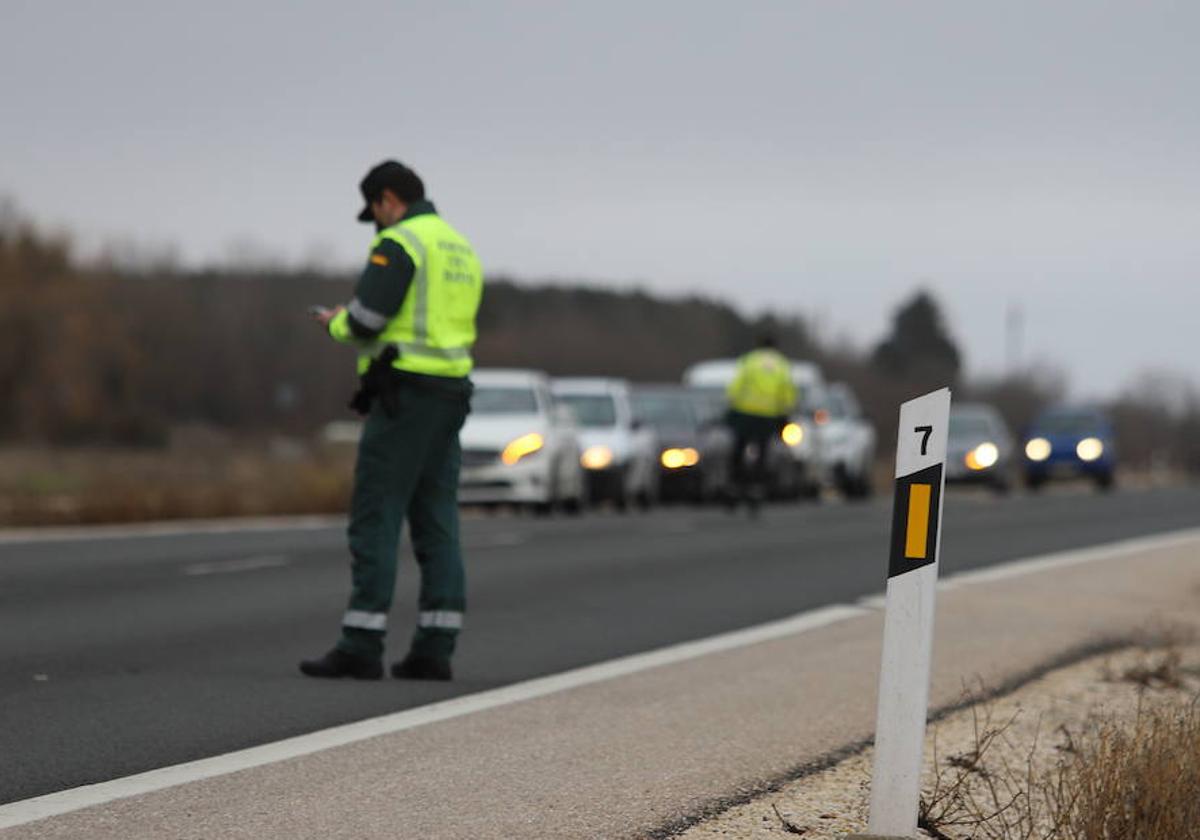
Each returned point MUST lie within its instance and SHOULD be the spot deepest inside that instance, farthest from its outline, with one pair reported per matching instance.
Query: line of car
(563, 444)
(1063, 442)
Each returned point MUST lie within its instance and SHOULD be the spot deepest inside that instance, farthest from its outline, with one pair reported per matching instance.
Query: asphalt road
(124, 654)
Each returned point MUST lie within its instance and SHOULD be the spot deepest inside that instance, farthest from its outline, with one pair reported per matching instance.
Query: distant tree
(919, 349)
(1157, 419)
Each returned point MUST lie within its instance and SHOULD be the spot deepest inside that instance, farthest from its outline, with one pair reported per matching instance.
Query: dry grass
(1118, 778)
(89, 486)
(1139, 782)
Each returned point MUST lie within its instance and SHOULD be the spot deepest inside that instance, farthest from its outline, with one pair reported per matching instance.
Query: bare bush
(1118, 778)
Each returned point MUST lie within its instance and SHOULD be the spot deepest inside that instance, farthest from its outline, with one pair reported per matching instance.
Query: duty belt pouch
(377, 383)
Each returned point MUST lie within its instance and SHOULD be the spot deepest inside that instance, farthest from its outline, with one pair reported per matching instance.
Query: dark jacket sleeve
(380, 292)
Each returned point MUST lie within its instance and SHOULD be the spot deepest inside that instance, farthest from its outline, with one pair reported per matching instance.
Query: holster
(376, 384)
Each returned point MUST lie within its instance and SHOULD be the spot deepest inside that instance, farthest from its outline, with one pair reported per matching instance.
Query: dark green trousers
(408, 463)
(748, 430)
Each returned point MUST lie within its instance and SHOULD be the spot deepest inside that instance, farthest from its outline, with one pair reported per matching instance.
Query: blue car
(1068, 442)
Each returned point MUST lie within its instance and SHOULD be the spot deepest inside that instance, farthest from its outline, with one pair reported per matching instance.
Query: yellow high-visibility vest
(434, 330)
(763, 385)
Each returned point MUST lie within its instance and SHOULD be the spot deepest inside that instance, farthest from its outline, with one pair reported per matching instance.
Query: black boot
(338, 663)
(413, 667)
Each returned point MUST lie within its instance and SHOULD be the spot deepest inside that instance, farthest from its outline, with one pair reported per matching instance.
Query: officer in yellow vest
(412, 320)
(761, 396)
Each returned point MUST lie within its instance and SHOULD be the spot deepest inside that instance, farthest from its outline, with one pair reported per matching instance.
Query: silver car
(980, 447)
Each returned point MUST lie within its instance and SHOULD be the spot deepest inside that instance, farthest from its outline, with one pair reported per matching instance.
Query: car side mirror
(637, 426)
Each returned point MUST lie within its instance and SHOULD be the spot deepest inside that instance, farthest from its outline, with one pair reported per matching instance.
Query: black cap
(390, 175)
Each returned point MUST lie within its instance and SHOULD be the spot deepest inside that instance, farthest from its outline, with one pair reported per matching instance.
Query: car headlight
(792, 434)
(1089, 449)
(983, 456)
(1038, 449)
(521, 447)
(596, 457)
(674, 459)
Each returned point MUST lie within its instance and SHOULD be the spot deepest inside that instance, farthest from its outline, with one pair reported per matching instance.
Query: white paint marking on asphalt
(873, 602)
(1047, 562)
(172, 528)
(53, 804)
(1073, 557)
(245, 564)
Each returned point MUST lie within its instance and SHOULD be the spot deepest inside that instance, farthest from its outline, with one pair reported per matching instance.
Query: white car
(518, 446)
(620, 454)
(847, 440)
(793, 463)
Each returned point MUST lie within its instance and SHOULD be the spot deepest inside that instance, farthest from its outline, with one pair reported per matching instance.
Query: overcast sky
(813, 157)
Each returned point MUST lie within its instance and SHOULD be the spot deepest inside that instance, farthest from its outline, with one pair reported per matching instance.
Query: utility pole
(1014, 334)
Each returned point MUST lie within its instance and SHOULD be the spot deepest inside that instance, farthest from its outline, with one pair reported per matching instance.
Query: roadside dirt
(1025, 734)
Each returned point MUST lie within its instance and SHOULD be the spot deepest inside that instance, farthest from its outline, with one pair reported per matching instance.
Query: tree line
(98, 354)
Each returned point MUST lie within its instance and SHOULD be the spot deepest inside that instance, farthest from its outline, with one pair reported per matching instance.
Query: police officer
(412, 320)
(761, 396)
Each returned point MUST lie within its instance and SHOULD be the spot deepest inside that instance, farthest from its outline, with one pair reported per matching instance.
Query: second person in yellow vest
(761, 396)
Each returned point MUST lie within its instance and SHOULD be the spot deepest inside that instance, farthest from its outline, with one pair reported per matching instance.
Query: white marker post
(908, 620)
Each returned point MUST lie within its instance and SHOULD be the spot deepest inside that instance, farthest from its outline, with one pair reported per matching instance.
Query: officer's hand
(324, 316)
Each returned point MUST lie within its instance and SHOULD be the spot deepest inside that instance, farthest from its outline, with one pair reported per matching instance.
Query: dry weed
(1117, 779)
(1139, 782)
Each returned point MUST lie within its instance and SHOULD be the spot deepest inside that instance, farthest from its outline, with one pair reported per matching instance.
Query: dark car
(1070, 442)
(694, 452)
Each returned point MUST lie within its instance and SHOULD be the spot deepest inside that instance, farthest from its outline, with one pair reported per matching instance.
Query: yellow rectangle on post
(917, 534)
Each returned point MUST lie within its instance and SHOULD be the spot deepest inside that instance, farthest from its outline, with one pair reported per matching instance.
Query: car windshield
(490, 399)
(1068, 423)
(664, 411)
(710, 404)
(594, 411)
(812, 398)
(837, 404)
(969, 426)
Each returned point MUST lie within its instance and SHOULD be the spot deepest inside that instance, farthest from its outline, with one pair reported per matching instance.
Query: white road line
(1046, 562)
(245, 564)
(1072, 557)
(29, 810)
(19, 813)
(173, 528)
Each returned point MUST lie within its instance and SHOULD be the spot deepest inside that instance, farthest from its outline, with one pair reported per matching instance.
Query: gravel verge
(1027, 732)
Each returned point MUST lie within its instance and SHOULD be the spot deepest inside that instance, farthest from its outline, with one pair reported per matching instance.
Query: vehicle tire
(847, 484)
(573, 506)
(859, 488)
(809, 491)
(552, 501)
(620, 503)
(1034, 482)
(1105, 482)
(1001, 487)
(866, 487)
(647, 495)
